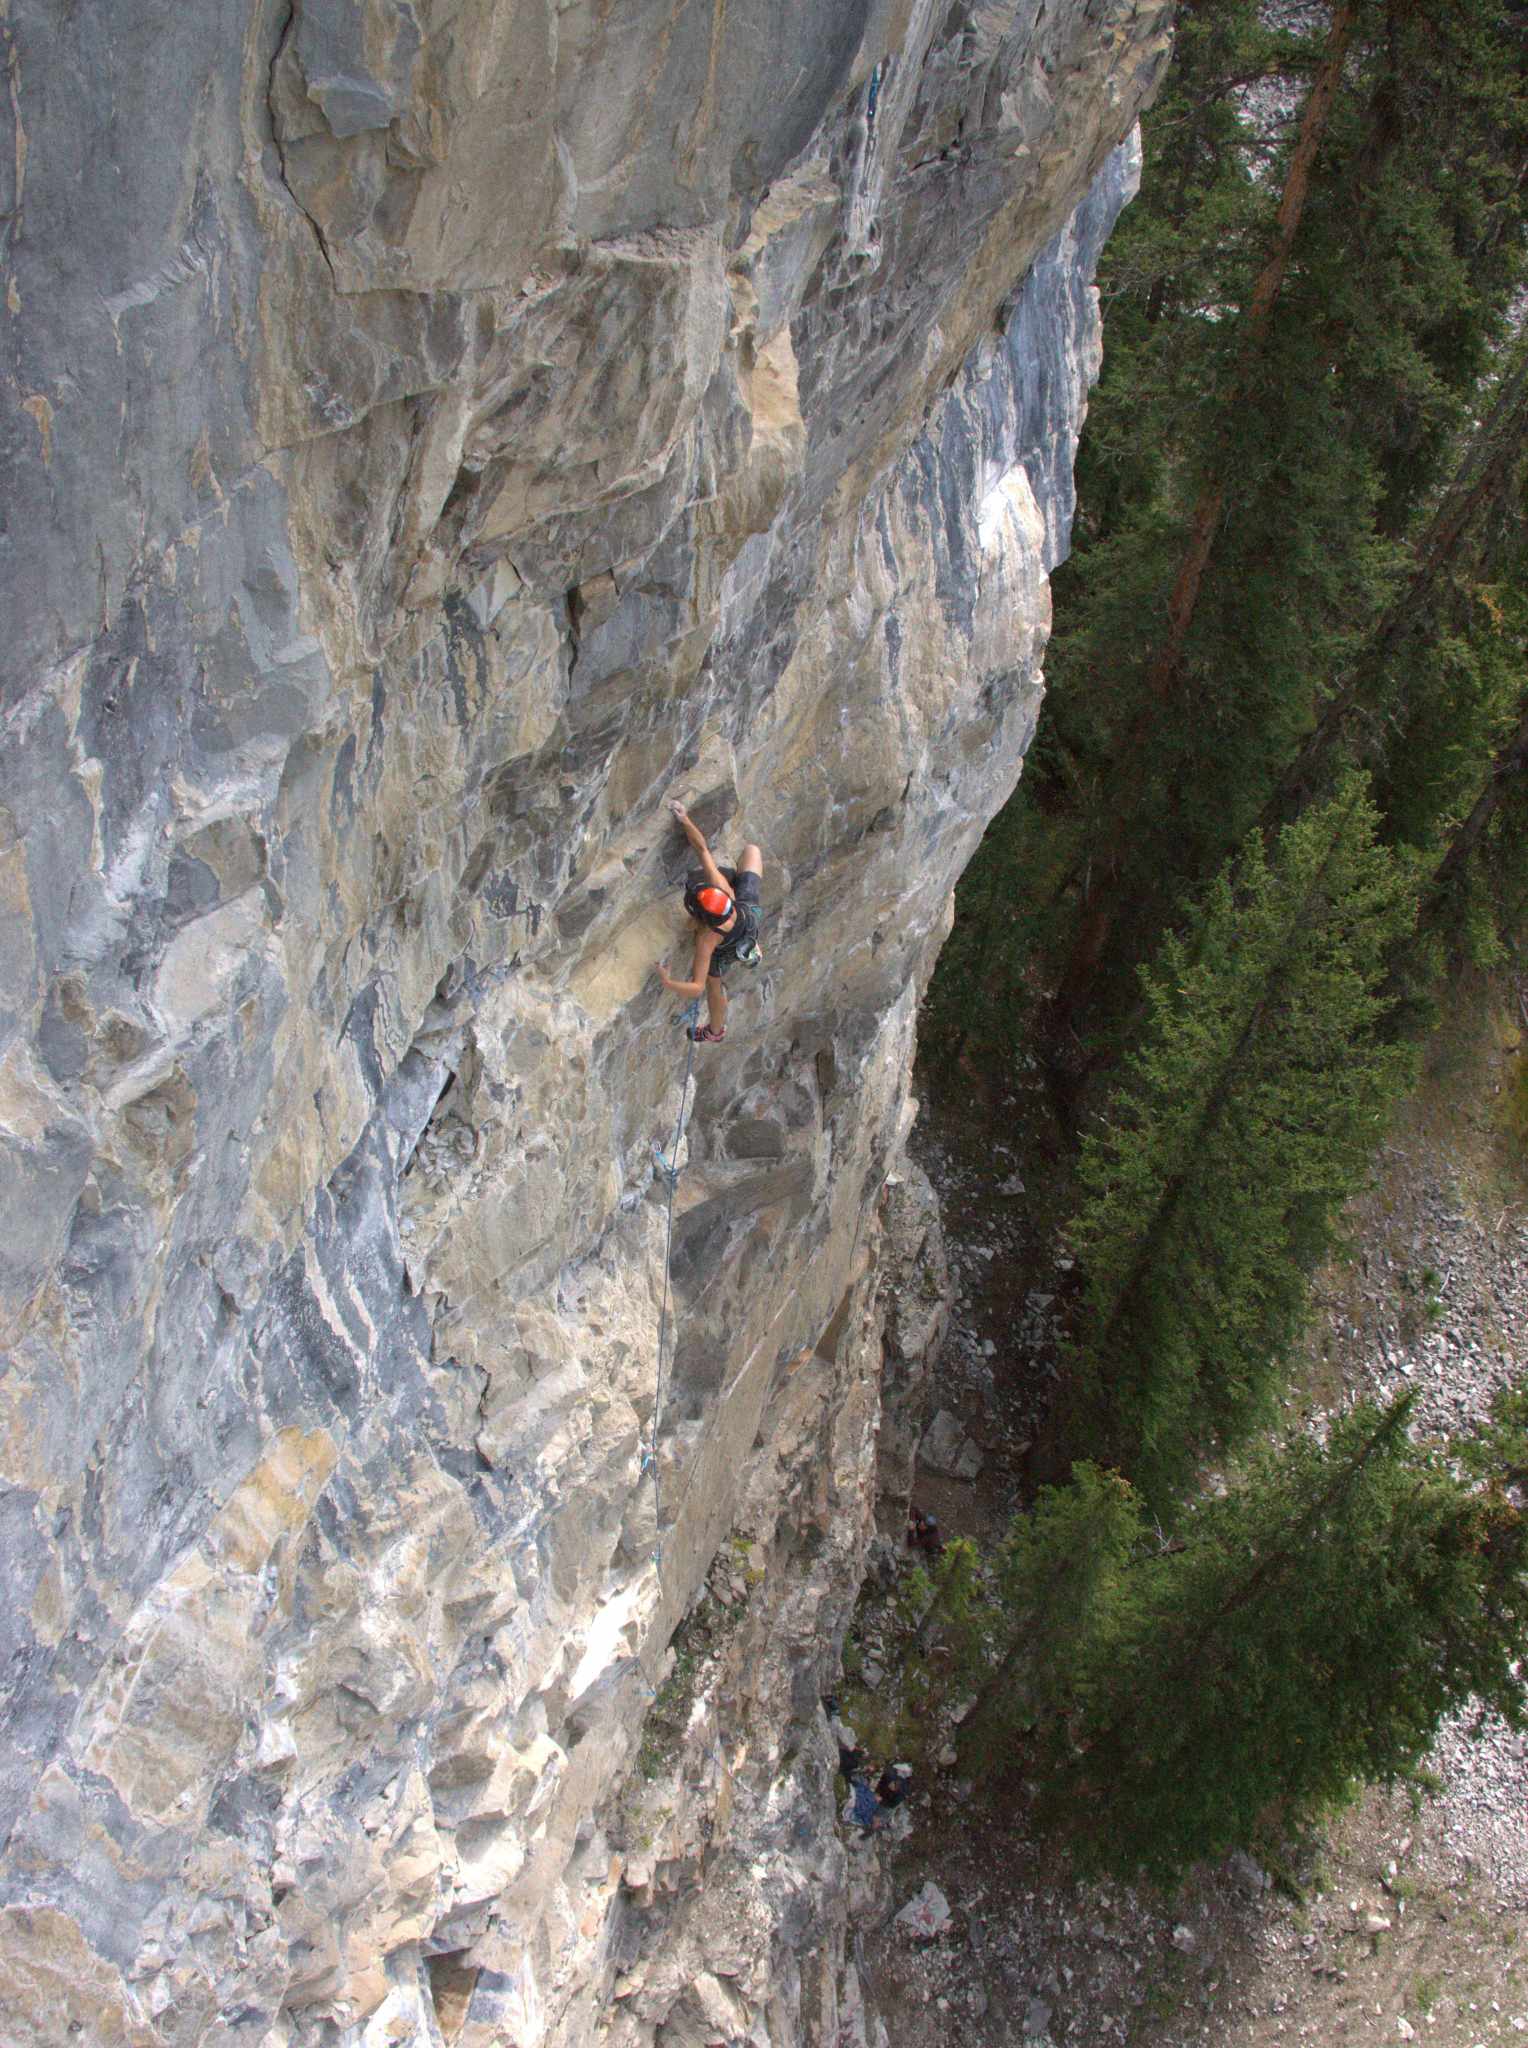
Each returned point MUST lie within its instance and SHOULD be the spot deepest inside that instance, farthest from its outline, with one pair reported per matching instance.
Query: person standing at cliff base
(724, 902)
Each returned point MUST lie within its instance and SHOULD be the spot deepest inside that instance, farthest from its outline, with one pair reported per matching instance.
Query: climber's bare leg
(716, 1003)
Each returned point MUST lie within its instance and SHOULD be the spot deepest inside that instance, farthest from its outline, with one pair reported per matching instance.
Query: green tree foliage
(1435, 703)
(1295, 623)
(1317, 425)
(979, 995)
(944, 1603)
(1449, 734)
(1244, 1119)
(1304, 1633)
(1050, 1584)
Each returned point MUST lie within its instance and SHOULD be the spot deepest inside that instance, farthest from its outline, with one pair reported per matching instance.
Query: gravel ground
(1408, 1923)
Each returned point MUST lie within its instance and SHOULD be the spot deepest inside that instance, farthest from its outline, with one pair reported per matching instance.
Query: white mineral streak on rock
(465, 427)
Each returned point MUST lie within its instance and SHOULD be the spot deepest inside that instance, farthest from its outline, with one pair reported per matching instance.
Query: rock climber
(724, 902)
(894, 1784)
(854, 1769)
(866, 1807)
(852, 1763)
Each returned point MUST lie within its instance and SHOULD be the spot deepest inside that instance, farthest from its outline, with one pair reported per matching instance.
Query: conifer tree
(1356, 594)
(1305, 1633)
(1451, 747)
(1320, 422)
(1204, 522)
(1053, 1581)
(1472, 544)
(1243, 1121)
(1490, 847)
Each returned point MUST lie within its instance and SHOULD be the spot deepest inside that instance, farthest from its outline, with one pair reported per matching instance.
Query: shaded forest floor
(1400, 1922)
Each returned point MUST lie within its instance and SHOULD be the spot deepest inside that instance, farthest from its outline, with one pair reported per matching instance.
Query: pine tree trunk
(996, 1682)
(1511, 761)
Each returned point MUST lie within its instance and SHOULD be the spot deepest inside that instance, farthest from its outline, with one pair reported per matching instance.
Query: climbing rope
(668, 1167)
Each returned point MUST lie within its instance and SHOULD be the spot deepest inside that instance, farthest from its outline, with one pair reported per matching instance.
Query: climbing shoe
(704, 1035)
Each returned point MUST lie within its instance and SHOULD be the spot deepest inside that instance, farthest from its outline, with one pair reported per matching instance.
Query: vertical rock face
(435, 433)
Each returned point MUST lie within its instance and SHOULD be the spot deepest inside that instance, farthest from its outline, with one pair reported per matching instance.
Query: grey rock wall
(434, 434)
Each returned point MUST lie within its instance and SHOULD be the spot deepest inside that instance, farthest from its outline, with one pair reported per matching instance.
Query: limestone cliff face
(434, 434)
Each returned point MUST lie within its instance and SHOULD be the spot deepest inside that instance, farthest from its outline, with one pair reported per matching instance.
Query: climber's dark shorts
(746, 894)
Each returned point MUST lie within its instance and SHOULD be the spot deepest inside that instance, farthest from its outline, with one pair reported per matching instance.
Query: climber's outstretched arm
(706, 944)
(715, 879)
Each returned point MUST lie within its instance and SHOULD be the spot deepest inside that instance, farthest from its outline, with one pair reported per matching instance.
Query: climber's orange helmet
(710, 906)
